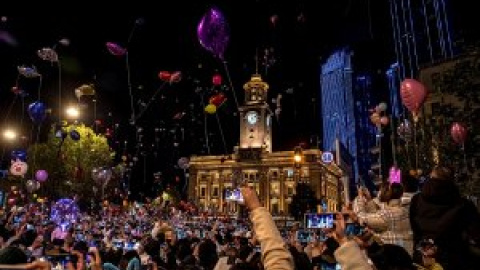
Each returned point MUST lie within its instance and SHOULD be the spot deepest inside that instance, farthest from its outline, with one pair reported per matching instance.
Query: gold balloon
(84, 90)
(375, 118)
(211, 109)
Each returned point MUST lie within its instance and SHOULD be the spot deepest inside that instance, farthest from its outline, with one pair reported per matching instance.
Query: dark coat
(450, 220)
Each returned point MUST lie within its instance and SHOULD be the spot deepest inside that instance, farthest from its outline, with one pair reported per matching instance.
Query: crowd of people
(403, 227)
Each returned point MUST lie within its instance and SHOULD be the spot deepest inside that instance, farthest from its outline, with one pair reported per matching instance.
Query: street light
(298, 155)
(72, 112)
(10, 134)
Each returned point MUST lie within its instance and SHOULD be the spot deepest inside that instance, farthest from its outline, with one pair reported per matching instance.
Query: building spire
(256, 60)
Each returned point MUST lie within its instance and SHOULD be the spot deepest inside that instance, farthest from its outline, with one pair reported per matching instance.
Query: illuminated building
(273, 174)
(346, 100)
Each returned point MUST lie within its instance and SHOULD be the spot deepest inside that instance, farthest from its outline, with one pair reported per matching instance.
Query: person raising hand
(275, 255)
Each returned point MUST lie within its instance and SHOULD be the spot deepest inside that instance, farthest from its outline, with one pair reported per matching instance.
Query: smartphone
(354, 229)
(304, 236)
(320, 221)
(234, 195)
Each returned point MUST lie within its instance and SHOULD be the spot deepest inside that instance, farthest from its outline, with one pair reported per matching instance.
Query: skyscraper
(346, 99)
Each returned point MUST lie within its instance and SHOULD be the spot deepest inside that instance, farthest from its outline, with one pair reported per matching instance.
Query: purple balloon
(213, 32)
(115, 49)
(41, 175)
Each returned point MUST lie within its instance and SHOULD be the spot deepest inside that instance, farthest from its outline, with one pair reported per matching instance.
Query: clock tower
(256, 116)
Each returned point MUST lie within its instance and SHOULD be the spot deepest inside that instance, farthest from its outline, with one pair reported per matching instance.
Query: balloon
(404, 130)
(48, 54)
(213, 32)
(274, 19)
(211, 109)
(104, 175)
(41, 175)
(11, 201)
(164, 76)
(64, 41)
(217, 79)
(382, 107)
(18, 168)
(19, 154)
(84, 90)
(37, 111)
(384, 120)
(176, 77)
(183, 163)
(115, 49)
(217, 99)
(32, 186)
(413, 94)
(61, 134)
(375, 118)
(74, 135)
(28, 72)
(458, 132)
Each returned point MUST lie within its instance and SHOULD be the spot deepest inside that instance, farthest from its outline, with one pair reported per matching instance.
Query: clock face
(252, 117)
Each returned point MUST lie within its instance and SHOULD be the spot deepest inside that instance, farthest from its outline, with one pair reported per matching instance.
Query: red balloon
(217, 99)
(459, 133)
(413, 94)
(217, 79)
(165, 76)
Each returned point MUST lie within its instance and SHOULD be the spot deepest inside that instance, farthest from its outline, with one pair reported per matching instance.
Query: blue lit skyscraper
(346, 99)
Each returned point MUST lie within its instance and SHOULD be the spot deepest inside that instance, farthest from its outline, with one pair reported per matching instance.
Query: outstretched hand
(250, 198)
(339, 233)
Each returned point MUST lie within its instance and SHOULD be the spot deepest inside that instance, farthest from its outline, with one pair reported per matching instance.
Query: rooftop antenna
(256, 60)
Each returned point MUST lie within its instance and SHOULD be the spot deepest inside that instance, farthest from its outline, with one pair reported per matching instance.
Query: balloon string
(10, 108)
(415, 142)
(230, 82)
(205, 126)
(393, 142)
(40, 81)
(469, 182)
(59, 91)
(129, 84)
(35, 150)
(149, 102)
(221, 133)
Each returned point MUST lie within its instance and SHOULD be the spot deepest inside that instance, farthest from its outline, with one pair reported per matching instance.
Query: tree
(69, 159)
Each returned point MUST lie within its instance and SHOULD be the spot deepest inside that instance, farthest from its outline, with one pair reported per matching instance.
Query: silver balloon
(32, 186)
(404, 130)
(104, 176)
(183, 163)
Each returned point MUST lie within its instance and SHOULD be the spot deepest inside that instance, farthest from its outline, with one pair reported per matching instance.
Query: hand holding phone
(250, 198)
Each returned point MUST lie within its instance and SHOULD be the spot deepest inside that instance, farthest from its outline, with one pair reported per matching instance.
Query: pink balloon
(413, 94)
(459, 133)
(41, 175)
(116, 49)
(384, 120)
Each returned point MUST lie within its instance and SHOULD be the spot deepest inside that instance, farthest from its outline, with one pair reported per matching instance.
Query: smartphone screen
(234, 195)
(354, 229)
(320, 221)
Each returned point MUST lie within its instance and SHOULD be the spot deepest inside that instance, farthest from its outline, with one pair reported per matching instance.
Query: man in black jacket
(439, 212)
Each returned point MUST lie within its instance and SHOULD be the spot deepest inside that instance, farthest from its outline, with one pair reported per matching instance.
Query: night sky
(298, 35)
